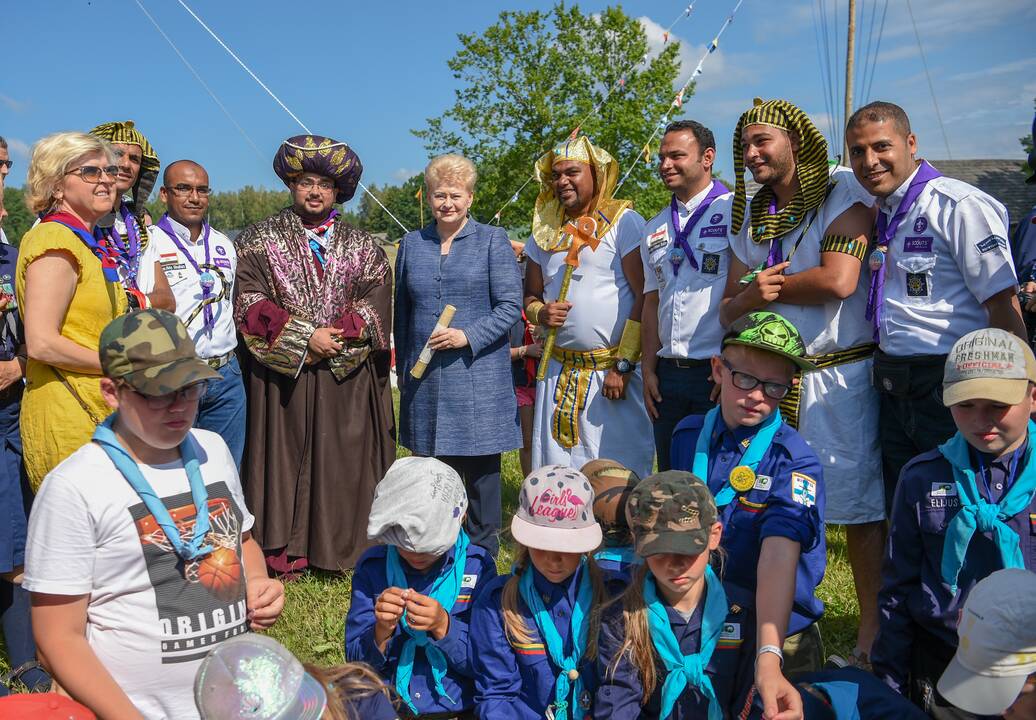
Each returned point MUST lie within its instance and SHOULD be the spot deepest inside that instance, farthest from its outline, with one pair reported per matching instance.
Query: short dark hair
(880, 111)
(706, 140)
(3, 143)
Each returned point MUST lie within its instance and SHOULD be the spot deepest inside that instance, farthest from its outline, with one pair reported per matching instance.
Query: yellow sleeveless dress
(53, 423)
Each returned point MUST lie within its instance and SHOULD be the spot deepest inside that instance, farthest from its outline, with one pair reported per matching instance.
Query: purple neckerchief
(886, 232)
(717, 190)
(776, 254)
(206, 288)
(129, 254)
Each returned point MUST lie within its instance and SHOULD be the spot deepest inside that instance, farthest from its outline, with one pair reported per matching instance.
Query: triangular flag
(647, 153)
(574, 135)
(665, 36)
(420, 193)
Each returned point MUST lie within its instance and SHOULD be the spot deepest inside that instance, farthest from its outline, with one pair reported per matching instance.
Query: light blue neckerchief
(564, 687)
(619, 555)
(978, 514)
(445, 589)
(192, 550)
(844, 697)
(756, 449)
(683, 669)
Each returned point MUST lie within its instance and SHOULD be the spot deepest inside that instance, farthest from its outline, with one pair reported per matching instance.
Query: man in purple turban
(312, 300)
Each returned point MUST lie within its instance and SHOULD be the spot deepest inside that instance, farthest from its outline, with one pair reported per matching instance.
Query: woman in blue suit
(463, 409)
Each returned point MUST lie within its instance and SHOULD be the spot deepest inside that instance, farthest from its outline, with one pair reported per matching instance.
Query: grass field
(314, 613)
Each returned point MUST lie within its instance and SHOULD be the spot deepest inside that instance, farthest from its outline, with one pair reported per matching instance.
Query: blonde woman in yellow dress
(68, 289)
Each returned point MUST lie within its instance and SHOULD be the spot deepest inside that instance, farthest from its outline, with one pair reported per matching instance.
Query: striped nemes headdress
(125, 133)
(810, 166)
(548, 215)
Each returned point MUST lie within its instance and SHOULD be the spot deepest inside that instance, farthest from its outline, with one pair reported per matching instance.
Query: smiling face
(769, 153)
(180, 193)
(573, 183)
(450, 202)
(676, 574)
(557, 567)
(881, 155)
(312, 197)
(992, 427)
(682, 164)
(748, 408)
(88, 201)
(128, 157)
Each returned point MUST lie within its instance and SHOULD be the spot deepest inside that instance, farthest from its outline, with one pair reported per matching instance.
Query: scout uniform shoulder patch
(803, 489)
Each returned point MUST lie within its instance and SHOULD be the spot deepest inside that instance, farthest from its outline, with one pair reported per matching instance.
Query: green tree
(19, 218)
(236, 209)
(1027, 145)
(402, 200)
(529, 78)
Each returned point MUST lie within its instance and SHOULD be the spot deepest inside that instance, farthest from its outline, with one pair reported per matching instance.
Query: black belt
(685, 363)
(884, 358)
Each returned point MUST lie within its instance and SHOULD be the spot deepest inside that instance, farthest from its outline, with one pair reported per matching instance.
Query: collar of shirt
(431, 230)
(686, 208)
(423, 578)
(67, 218)
(737, 436)
(553, 593)
(999, 470)
(891, 203)
(683, 628)
(183, 232)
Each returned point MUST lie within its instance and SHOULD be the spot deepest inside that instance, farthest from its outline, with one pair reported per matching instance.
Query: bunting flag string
(620, 83)
(278, 101)
(678, 100)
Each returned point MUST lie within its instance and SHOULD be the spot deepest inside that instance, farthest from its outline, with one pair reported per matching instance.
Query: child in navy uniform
(534, 632)
(770, 494)
(669, 648)
(612, 484)
(412, 596)
(961, 512)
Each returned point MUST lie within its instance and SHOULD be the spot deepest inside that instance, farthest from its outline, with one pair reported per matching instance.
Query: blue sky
(369, 72)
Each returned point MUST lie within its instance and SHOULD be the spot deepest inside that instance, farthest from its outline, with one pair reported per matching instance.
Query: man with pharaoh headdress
(312, 299)
(126, 228)
(799, 250)
(591, 403)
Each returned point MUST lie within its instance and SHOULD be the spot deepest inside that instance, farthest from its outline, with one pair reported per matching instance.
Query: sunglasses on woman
(92, 174)
(744, 381)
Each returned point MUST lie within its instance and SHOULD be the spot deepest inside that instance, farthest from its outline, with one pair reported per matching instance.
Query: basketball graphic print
(220, 573)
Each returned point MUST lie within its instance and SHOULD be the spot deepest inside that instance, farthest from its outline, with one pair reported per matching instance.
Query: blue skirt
(15, 495)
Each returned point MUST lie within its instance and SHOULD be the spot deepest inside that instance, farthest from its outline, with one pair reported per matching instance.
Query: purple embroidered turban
(322, 156)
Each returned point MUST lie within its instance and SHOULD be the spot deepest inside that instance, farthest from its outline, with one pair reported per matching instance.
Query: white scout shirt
(185, 283)
(688, 302)
(835, 325)
(950, 254)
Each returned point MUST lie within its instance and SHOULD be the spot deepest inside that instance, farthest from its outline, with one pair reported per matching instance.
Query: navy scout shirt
(515, 681)
(370, 579)
(913, 595)
(787, 500)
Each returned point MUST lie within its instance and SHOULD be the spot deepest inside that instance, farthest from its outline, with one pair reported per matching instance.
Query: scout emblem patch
(742, 478)
(917, 284)
(710, 264)
(803, 489)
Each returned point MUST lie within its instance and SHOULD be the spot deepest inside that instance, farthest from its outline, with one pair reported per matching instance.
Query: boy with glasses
(199, 263)
(769, 490)
(131, 585)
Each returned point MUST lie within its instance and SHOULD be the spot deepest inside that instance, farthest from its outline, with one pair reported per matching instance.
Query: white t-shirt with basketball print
(150, 619)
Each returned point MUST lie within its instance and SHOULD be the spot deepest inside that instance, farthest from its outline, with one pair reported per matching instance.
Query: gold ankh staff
(583, 232)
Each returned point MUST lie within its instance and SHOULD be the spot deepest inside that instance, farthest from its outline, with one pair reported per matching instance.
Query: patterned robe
(320, 431)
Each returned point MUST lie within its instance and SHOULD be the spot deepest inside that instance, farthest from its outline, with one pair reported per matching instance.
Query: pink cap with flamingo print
(555, 511)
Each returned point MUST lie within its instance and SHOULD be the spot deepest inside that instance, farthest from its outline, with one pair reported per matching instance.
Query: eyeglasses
(184, 190)
(744, 381)
(6, 163)
(191, 393)
(92, 174)
(310, 183)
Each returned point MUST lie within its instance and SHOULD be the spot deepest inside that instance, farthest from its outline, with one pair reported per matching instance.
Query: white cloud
(17, 147)
(403, 174)
(719, 69)
(12, 104)
(1007, 68)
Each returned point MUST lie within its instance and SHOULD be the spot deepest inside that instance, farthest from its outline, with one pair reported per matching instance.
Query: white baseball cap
(254, 677)
(997, 648)
(988, 364)
(556, 511)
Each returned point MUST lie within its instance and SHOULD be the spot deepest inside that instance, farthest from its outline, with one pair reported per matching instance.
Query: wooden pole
(850, 46)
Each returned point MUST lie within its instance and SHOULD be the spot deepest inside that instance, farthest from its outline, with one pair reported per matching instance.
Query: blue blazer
(465, 402)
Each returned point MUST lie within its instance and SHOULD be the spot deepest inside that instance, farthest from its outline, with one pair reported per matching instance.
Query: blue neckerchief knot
(619, 555)
(976, 513)
(761, 442)
(683, 670)
(567, 690)
(192, 550)
(445, 589)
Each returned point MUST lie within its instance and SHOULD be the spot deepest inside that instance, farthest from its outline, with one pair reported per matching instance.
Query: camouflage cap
(771, 332)
(671, 512)
(612, 484)
(151, 351)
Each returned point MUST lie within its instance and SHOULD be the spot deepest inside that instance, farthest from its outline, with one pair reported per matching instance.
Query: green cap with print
(771, 332)
(151, 351)
(671, 512)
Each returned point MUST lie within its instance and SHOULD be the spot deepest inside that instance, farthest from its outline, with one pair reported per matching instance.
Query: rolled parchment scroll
(417, 371)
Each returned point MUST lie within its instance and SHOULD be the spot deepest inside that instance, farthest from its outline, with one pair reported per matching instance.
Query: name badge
(713, 231)
(657, 239)
(918, 244)
(942, 489)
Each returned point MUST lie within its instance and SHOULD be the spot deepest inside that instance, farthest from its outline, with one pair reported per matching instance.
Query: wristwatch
(624, 365)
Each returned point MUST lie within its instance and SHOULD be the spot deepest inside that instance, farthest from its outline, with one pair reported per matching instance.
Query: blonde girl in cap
(534, 632)
(669, 647)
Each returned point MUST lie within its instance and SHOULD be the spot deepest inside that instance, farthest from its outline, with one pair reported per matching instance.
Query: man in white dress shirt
(686, 254)
(199, 262)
